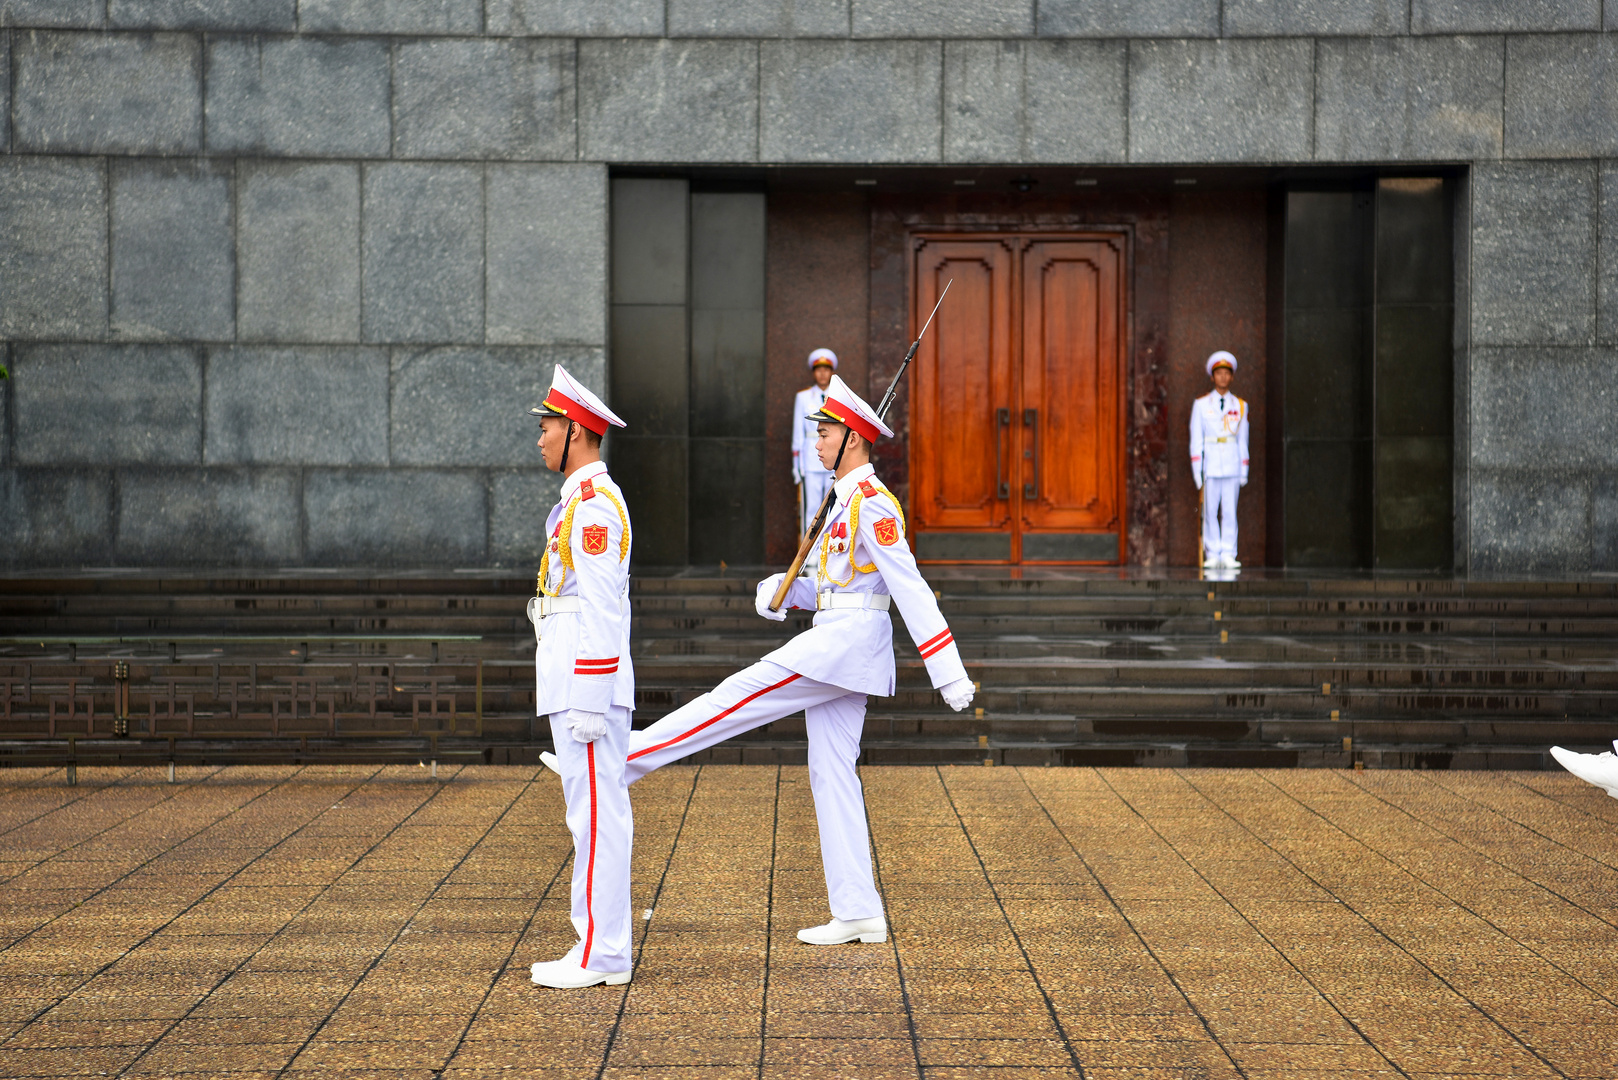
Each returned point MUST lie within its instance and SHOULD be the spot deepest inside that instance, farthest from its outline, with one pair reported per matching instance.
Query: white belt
(543, 607)
(874, 601)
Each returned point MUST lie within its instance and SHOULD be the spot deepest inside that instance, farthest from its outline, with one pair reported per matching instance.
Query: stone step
(1074, 669)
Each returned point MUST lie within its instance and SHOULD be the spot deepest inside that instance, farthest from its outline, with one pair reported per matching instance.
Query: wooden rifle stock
(812, 533)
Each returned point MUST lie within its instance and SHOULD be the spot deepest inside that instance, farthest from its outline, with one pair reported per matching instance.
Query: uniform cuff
(591, 693)
(944, 666)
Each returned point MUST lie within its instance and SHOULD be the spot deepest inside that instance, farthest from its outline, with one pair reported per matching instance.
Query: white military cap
(844, 406)
(823, 356)
(1221, 357)
(572, 399)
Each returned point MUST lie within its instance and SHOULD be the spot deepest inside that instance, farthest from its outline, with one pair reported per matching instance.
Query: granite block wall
(279, 274)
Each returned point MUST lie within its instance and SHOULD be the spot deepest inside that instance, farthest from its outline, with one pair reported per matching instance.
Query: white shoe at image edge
(1598, 769)
(568, 975)
(1211, 562)
(837, 931)
(1230, 563)
(548, 759)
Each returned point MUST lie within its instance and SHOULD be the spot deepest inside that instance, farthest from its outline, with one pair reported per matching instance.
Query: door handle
(1003, 418)
(1030, 418)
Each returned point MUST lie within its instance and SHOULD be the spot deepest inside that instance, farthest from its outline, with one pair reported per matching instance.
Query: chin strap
(567, 444)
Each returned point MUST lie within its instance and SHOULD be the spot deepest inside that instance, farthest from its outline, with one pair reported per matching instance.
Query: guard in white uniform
(811, 477)
(584, 679)
(1219, 460)
(862, 564)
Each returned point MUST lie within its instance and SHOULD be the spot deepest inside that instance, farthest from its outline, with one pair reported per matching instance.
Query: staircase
(1075, 669)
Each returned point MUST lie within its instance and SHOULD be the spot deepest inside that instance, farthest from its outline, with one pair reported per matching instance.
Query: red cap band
(560, 402)
(852, 419)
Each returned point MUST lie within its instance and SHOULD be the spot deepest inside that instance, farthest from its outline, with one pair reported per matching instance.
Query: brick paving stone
(1142, 924)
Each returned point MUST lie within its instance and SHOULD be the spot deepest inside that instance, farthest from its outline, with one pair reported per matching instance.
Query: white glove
(1196, 478)
(958, 694)
(1243, 483)
(766, 593)
(586, 727)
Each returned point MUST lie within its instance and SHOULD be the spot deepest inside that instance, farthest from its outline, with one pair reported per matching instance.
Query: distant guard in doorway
(584, 679)
(1219, 460)
(808, 474)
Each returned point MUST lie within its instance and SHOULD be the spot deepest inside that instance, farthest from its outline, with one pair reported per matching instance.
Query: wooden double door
(1017, 414)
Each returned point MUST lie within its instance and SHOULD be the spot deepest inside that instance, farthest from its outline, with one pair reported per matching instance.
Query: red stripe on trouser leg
(709, 723)
(590, 867)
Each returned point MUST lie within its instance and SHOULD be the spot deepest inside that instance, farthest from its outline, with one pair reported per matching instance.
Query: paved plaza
(1112, 924)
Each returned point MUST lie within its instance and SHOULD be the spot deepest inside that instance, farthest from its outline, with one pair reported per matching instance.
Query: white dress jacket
(1219, 439)
(852, 647)
(581, 660)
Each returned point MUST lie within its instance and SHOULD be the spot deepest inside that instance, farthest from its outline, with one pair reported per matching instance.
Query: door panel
(1017, 416)
(962, 374)
(1070, 385)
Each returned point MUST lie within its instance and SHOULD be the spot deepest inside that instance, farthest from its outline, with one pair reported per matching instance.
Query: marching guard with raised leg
(864, 566)
(584, 679)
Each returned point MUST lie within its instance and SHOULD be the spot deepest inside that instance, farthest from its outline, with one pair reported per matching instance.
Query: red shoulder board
(587, 490)
(867, 489)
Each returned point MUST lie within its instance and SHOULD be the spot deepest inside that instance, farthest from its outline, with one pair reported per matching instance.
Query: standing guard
(584, 680)
(811, 477)
(865, 564)
(1219, 460)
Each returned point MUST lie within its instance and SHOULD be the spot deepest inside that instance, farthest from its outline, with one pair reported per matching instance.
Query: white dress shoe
(568, 975)
(1598, 769)
(548, 759)
(1230, 563)
(837, 931)
(1211, 562)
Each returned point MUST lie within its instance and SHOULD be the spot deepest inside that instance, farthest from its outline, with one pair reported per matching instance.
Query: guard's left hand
(958, 694)
(586, 727)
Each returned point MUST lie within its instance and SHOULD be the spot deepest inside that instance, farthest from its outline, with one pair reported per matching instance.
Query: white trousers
(815, 483)
(1219, 516)
(603, 829)
(756, 696)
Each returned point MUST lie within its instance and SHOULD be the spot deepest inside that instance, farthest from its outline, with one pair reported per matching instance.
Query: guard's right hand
(766, 593)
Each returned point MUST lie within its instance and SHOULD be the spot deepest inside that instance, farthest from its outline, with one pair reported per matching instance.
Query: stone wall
(277, 277)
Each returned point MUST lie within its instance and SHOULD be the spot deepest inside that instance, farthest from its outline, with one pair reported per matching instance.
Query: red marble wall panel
(817, 275)
(1217, 294)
